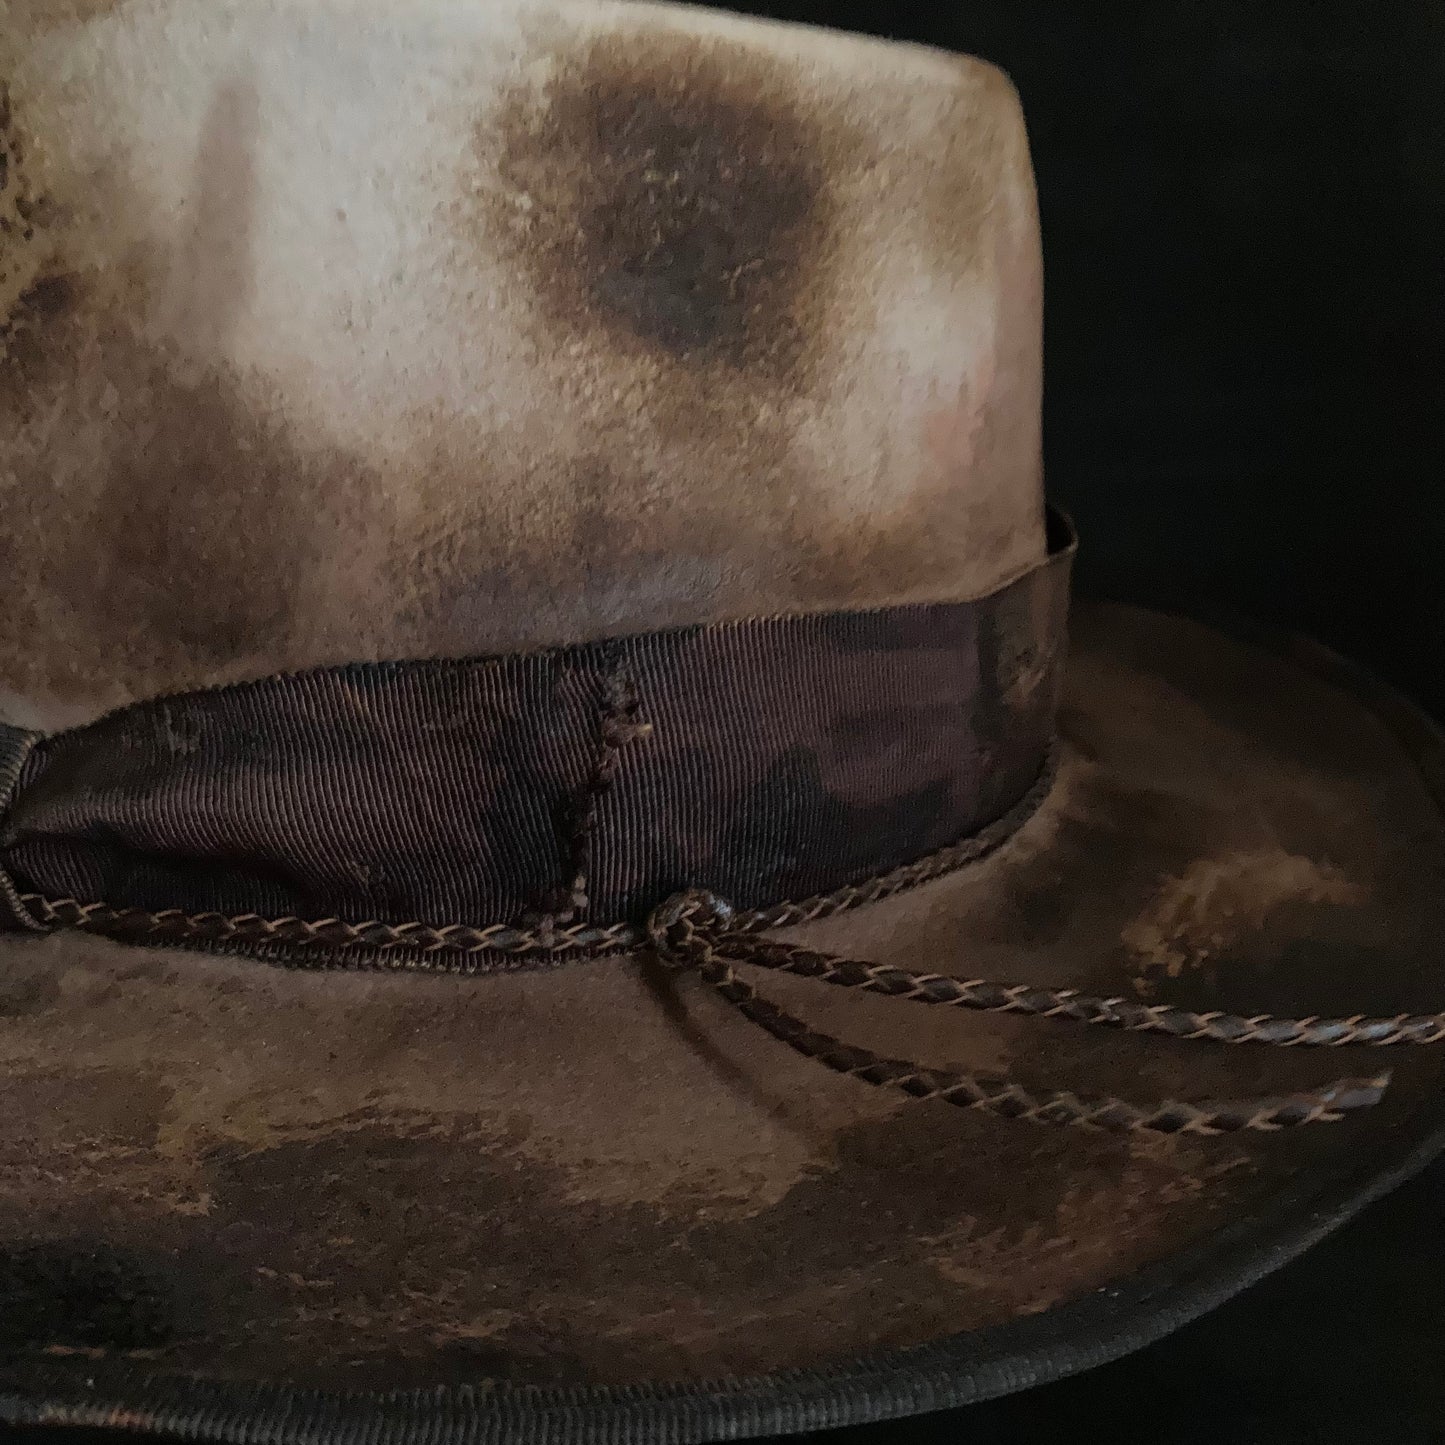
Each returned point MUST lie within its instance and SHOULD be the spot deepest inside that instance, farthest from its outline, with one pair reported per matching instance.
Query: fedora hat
(568, 869)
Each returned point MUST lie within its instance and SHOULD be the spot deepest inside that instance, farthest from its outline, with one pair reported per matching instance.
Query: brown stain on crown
(187, 548)
(23, 293)
(667, 200)
(41, 16)
(164, 521)
(662, 217)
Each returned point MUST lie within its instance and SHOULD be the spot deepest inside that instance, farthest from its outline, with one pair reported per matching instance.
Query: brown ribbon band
(523, 802)
(607, 796)
(696, 931)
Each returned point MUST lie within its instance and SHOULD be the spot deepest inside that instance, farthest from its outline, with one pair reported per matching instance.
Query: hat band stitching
(786, 757)
(713, 938)
(619, 722)
(454, 944)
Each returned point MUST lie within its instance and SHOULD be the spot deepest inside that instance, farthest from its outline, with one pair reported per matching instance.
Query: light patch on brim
(1219, 900)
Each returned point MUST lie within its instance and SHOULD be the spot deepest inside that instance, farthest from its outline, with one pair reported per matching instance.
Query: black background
(1243, 206)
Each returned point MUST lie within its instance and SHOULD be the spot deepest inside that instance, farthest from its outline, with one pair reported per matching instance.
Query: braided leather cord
(455, 947)
(691, 931)
(696, 930)
(465, 948)
(989, 996)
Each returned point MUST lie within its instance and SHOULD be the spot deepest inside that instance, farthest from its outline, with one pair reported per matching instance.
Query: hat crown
(342, 331)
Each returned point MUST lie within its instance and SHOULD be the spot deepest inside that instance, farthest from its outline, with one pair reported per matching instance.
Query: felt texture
(337, 331)
(341, 331)
(597, 1174)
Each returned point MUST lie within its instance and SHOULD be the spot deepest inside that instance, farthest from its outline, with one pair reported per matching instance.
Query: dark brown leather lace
(416, 945)
(697, 931)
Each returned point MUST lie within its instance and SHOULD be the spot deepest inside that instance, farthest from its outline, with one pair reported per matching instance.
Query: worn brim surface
(595, 1202)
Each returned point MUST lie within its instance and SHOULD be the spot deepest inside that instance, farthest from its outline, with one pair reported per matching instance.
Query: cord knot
(683, 929)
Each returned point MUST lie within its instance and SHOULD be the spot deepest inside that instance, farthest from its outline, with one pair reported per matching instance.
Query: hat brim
(594, 1201)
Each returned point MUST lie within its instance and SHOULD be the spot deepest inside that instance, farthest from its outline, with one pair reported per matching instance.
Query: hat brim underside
(564, 1184)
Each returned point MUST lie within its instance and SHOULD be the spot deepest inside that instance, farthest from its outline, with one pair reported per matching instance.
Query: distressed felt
(339, 331)
(596, 1174)
(342, 330)
(770, 760)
